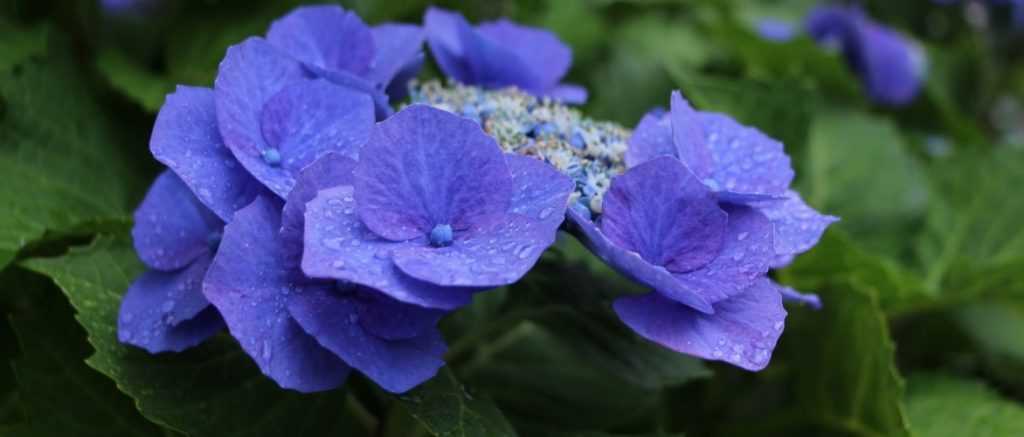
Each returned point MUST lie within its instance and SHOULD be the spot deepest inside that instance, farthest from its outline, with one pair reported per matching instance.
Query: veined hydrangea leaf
(858, 167)
(69, 165)
(446, 408)
(837, 258)
(212, 390)
(58, 392)
(994, 327)
(845, 375)
(946, 406)
(972, 242)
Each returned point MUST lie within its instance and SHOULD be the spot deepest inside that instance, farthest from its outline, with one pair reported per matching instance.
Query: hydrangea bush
(445, 225)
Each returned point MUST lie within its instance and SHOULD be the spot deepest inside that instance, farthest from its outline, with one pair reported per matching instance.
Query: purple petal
(399, 48)
(688, 136)
(548, 56)
(325, 36)
(568, 93)
(390, 319)
(353, 82)
(308, 119)
(445, 32)
(486, 257)
(250, 74)
(339, 246)
(331, 170)
(651, 138)
(776, 30)
(172, 228)
(395, 365)
(186, 139)
(166, 311)
(631, 265)
(742, 331)
(424, 167)
(798, 227)
(746, 254)
(249, 283)
(790, 295)
(746, 161)
(660, 210)
(541, 190)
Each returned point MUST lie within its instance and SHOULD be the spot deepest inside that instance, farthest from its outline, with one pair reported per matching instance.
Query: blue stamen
(271, 156)
(441, 235)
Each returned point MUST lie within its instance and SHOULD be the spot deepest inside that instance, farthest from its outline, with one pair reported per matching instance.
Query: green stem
(462, 349)
(360, 414)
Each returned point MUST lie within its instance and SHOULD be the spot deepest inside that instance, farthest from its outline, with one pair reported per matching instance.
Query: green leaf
(131, 79)
(858, 168)
(194, 55)
(838, 261)
(844, 372)
(69, 165)
(17, 44)
(446, 408)
(212, 390)
(973, 243)
(59, 393)
(942, 405)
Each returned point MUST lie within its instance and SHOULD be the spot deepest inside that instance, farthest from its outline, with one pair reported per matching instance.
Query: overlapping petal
(325, 36)
(688, 137)
(425, 167)
(631, 265)
(395, 365)
(798, 227)
(660, 210)
(250, 283)
(329, 171)
(251, 73)
(501, 53)
(742, 331)
(339, 246)
(166, 311)
(187, 140)
(172, 228)
(745, 256)
(747, 164)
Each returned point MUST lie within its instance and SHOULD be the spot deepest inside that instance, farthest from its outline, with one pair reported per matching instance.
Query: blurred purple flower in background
(501, 53)
(890, 65)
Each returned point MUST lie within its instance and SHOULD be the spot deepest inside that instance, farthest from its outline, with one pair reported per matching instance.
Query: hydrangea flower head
(706, 262)
(176, 237)
(501, 53)
(890, 66)
(740, 164)
(435, 212)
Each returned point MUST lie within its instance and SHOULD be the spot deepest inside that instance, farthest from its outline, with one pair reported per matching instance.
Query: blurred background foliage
(922, 332)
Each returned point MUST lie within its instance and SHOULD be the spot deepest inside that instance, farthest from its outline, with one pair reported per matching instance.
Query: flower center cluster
(590, 152)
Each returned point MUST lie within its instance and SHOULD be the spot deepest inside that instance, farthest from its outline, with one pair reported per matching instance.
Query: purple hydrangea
(705, 260)
(775, 30)
(436, 211)
(176, 237)
(501, 53)
(890, 65)
(702, 214)
(740, 164)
